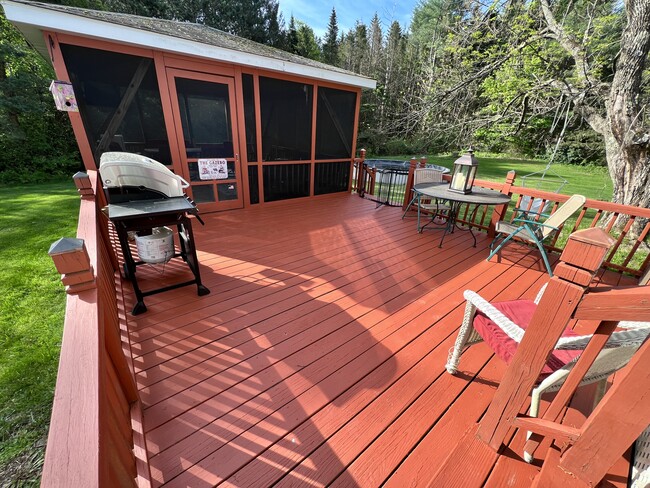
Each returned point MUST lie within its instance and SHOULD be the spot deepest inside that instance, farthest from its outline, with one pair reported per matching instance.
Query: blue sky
(316, 13)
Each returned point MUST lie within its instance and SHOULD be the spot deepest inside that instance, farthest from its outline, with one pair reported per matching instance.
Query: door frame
(182, 165)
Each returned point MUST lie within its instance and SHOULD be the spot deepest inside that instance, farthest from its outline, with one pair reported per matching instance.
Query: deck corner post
(83, 184)
(500, 211)
(72, 261)
(361, 174)
(580, 260)
(409, 182)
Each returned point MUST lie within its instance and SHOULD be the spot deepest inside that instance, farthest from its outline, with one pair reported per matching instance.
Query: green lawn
(590, 181)
(31, 318)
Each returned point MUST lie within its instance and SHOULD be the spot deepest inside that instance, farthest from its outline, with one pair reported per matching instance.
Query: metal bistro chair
(435, 208)
(527, 227)
(502, 326)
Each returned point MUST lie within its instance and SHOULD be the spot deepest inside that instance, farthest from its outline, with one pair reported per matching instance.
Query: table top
(149, 208)
(479, 196)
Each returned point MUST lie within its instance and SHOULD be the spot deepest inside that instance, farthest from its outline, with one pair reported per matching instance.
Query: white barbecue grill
(144, 195)
(138, 177)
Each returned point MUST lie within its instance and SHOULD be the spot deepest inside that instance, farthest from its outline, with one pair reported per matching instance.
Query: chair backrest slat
(566, 210)
(427, 175)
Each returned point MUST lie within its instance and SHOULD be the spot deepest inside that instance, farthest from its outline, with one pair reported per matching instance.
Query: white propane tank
(157, 247)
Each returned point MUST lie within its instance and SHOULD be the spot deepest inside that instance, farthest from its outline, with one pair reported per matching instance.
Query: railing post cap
(66, 245)
(79, 175)
(584, 252)
(594, 236)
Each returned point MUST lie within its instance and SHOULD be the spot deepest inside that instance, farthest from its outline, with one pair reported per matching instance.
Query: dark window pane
(249, 118)
(335, 123)
(253, 184)
(203, 193)
(101, 80)
(205, 117)
(227, 191)
(286, 109)
(331, 177)
(283, 181)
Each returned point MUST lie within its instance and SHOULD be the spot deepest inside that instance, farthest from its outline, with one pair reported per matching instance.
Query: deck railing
(630, 254)
(90, 442)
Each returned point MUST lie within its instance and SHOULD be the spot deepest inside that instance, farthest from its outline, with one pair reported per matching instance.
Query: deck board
(318, 357)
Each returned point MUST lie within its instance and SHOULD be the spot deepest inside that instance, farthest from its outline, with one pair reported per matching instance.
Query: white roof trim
(28, 16)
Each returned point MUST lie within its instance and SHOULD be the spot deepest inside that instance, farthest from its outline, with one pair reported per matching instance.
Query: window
(249, 118)
(286, 111)
(101, 82)
(205, 117)
(335, 123)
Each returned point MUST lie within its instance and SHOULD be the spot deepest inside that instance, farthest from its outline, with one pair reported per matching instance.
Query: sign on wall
(213, 169)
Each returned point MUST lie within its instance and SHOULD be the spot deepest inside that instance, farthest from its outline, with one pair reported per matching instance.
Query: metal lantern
(463, 174)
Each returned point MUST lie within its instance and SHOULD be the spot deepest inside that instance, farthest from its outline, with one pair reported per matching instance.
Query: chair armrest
(632, 336)
(508, 326)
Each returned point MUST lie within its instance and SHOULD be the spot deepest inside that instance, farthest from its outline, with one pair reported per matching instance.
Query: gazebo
(184, 94)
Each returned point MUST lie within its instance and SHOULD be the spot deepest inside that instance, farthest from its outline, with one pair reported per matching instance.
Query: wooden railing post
(360, 172)
(73, 263)
(500, 211)
(409, 182)
(83, 183)
(580, 260)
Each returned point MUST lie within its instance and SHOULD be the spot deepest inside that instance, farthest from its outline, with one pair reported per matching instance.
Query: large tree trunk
(629, 169)
(626, 138)
(627, 148)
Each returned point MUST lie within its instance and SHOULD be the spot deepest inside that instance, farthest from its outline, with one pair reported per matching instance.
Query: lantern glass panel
(460, 177)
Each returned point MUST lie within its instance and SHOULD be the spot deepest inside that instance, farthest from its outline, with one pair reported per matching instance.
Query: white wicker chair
(616, 353)
(435, 207)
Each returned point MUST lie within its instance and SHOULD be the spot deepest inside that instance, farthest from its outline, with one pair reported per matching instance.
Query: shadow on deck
(318, 358)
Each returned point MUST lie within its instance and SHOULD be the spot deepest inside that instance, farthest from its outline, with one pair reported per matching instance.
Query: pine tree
(292, 37)
(331, 45)
(308, 44)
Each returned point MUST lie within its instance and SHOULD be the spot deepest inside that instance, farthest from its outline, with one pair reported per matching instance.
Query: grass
(31, 320)
(591, 181)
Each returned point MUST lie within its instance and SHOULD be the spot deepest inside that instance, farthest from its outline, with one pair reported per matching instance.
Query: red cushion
(520, 312)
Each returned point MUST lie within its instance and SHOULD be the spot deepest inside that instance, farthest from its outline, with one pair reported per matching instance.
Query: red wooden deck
(318, 358)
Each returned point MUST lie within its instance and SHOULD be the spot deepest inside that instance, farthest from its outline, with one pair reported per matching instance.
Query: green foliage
(581, 147)
(36, 139)
(31, 318)
(331, 44)
(292, 36)
(307, 42)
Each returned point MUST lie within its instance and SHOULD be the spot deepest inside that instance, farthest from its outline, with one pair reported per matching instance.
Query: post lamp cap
(467, 159)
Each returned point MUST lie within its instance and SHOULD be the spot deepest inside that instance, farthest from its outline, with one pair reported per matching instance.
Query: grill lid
(133, 174)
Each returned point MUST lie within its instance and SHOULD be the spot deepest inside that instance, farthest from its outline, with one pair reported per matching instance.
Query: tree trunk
(627, 140)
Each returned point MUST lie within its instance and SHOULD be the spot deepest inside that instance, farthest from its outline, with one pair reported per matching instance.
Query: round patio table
(440, 191)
